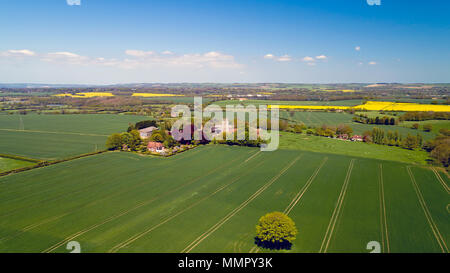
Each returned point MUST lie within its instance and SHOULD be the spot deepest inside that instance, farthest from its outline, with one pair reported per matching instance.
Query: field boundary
(337, 210)
(41, 164)
(383, 218)
(437, 235)
(206, 234)
(22, 158)
(140, 235)
(142, 204)
(51, 132)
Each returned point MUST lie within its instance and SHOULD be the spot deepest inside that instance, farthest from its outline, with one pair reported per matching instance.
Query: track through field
(299, 195)
(383, 218)
(141, 234)
(202, 237)
(440, 240)
(336, 212)
(142, 204)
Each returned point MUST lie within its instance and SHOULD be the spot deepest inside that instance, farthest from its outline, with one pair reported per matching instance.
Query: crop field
(371, 106)
(300, 103)
(7, 164)
(59, 136)
(316, 118)
(122, 202)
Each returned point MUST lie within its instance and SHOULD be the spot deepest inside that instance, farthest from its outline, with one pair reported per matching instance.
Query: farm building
(157, 147)
(357, 138)
(147, 132)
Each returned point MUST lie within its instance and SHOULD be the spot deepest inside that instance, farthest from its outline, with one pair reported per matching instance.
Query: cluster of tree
(142, 124)
(243, 142)
(163, 136)
(363, 118)
(419, 116)
(128, 140)
(379, 136)
(439, 148)
(426, 127)
(331, 131)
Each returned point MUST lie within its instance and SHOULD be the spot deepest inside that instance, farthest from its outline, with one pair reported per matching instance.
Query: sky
(226, 41)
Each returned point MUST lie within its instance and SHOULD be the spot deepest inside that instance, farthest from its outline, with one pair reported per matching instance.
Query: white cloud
(212, 59)
(321, 57)
(17, 53)
(138, 53)
(357, 48)
(372, 63)
(74, 2)
(308, 59)
(136, 59)
(284, 58)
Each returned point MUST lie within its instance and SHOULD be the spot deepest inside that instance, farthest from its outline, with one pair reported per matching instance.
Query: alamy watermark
(374, 2)
(239, 123)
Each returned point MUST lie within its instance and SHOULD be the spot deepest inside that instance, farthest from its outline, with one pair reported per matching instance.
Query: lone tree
(275, 230)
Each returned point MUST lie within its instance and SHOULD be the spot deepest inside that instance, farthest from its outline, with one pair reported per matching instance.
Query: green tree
(410, 142)
(427, 127)
(114, 142)
(275, 230)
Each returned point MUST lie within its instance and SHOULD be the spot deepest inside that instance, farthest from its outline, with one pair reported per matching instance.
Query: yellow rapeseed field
(375, 106)
(155, 95)
(86, 95)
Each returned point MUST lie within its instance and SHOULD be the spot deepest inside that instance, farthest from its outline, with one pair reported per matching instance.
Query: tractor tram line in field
(83, 206)
(383, 218)
(206, 234)
(336, 212)
(142, 204)
(441, 181)
(304, 188)
(440, 240)
(299, 196)
(141, 234)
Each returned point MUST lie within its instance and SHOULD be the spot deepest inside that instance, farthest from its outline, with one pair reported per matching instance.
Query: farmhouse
(343, 137)
(147, 132)
(157, 147)
(357, 138)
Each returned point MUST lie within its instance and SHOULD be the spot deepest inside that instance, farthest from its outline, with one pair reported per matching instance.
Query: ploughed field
(59, 136)
(209, 200)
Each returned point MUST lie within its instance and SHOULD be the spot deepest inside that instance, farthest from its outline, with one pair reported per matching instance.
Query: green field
(122, 202)
(7, 164)
(59, 136)
(173, 100)
(437, 124)
(303, 142)
(317, 118)
(279, 102)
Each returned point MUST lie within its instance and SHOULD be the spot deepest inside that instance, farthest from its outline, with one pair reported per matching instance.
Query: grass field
(316, 119)
(59, 136)
(7, 164)
(437, 124)
(276, 102)
(122, 202)
(303, 142)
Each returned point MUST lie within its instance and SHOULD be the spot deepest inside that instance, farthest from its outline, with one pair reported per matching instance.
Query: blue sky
(309, 41)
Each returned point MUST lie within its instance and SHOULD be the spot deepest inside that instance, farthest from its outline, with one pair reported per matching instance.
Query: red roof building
(155, 146)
